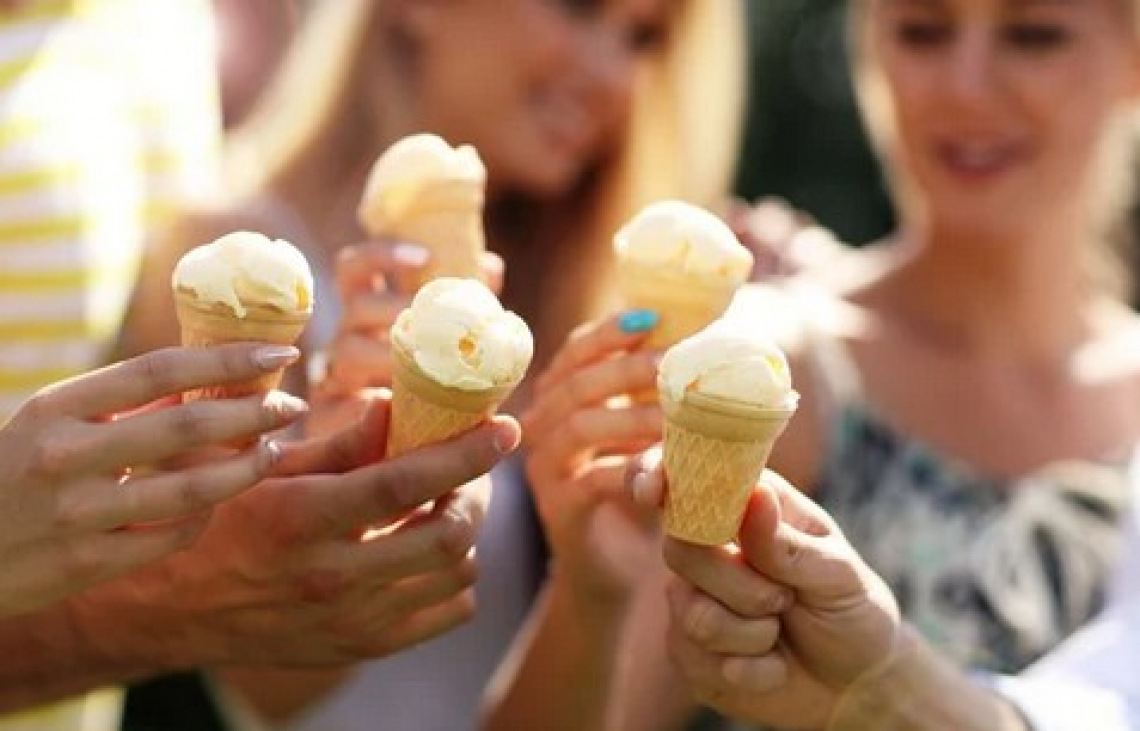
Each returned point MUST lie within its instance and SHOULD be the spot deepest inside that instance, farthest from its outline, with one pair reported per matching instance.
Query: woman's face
(541, 87)
(1000, 106)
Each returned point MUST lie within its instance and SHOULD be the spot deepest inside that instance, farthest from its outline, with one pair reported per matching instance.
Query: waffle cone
(714, 452)
(425, 412)
(684, 307)
(215, 324)
(445, 217)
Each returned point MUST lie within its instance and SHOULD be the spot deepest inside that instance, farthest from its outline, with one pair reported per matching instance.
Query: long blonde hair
(682, 142)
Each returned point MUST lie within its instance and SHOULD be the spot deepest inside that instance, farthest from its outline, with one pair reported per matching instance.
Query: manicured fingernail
(637, 321)
(275, 357)
(506, 438)
(289, 406)
(640, 486)
(410, 254)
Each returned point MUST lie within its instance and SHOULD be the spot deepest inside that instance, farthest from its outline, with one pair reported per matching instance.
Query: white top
(1092, 681)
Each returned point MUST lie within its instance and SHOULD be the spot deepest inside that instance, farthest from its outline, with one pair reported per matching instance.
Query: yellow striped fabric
(108, 118)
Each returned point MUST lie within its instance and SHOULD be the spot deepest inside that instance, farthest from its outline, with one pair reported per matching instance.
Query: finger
(367, 267)
(424, 625)
(795, 558)
(596, 340)
(383, 492)
(418, 593)
(102, 556)
(427, 545)
(598, 429)
(359, 444)
(796, 508)
(645, 478)
(151, 437)
(358, 361)
(715, 629)
(161, 373)
(493, 270)
(372, 312)
(591, 386)
(167, 496)
(722, 574)
(755, 674)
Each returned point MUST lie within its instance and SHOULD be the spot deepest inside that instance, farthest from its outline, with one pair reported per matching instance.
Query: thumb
(360, 444)
(790, 539)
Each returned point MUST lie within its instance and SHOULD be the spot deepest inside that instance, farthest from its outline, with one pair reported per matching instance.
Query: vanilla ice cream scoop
(457, 333)
(684, 239)
(728, 361)
(245, 269)
(414, 162)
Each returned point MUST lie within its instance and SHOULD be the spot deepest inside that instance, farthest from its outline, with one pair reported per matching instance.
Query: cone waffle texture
(684, 307)
(215, 324)
(714, 452)
(424, 411)
(446, 218)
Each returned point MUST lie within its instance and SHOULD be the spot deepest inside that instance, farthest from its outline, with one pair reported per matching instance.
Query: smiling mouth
(979, 161)
(565, 122)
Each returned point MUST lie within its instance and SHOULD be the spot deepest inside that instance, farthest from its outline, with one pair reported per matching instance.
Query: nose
(607, 63)
(971, 72)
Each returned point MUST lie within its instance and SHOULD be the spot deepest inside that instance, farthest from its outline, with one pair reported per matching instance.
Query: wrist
(914, 689)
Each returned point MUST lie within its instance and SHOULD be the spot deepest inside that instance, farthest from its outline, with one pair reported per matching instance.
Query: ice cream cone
(425, 411)
(212, 323)
(683, 306)
(714, 451)
(445, 217)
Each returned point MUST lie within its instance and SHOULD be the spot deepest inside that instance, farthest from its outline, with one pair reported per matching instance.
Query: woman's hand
(775, 628)
(579, 442)
(72, 513)
(375, 281)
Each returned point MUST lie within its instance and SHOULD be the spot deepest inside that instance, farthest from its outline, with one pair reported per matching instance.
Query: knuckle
(157, 370)
(579, 427)
(320, 586)
(191, 421)
(763, 602)
(701, 621)
(192, 490)
(400, 492)
(80, 564)
(69, 515)
(52, 454)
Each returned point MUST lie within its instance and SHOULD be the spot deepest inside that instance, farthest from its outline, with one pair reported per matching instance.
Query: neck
(1023, 295)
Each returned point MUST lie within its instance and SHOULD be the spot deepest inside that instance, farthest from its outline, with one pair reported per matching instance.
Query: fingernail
(410, 254)
(640, 486)
(506, 438)
(286, 406)
(275, 357)
(637, 321)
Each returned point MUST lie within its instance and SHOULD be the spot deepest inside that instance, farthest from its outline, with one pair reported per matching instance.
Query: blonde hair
(682, 141)
(1108, 266)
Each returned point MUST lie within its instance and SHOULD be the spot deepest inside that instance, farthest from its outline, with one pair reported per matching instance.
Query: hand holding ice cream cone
(423, 191)
(727, 396)
(457, 355)
(681, 262)
(242, 287)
